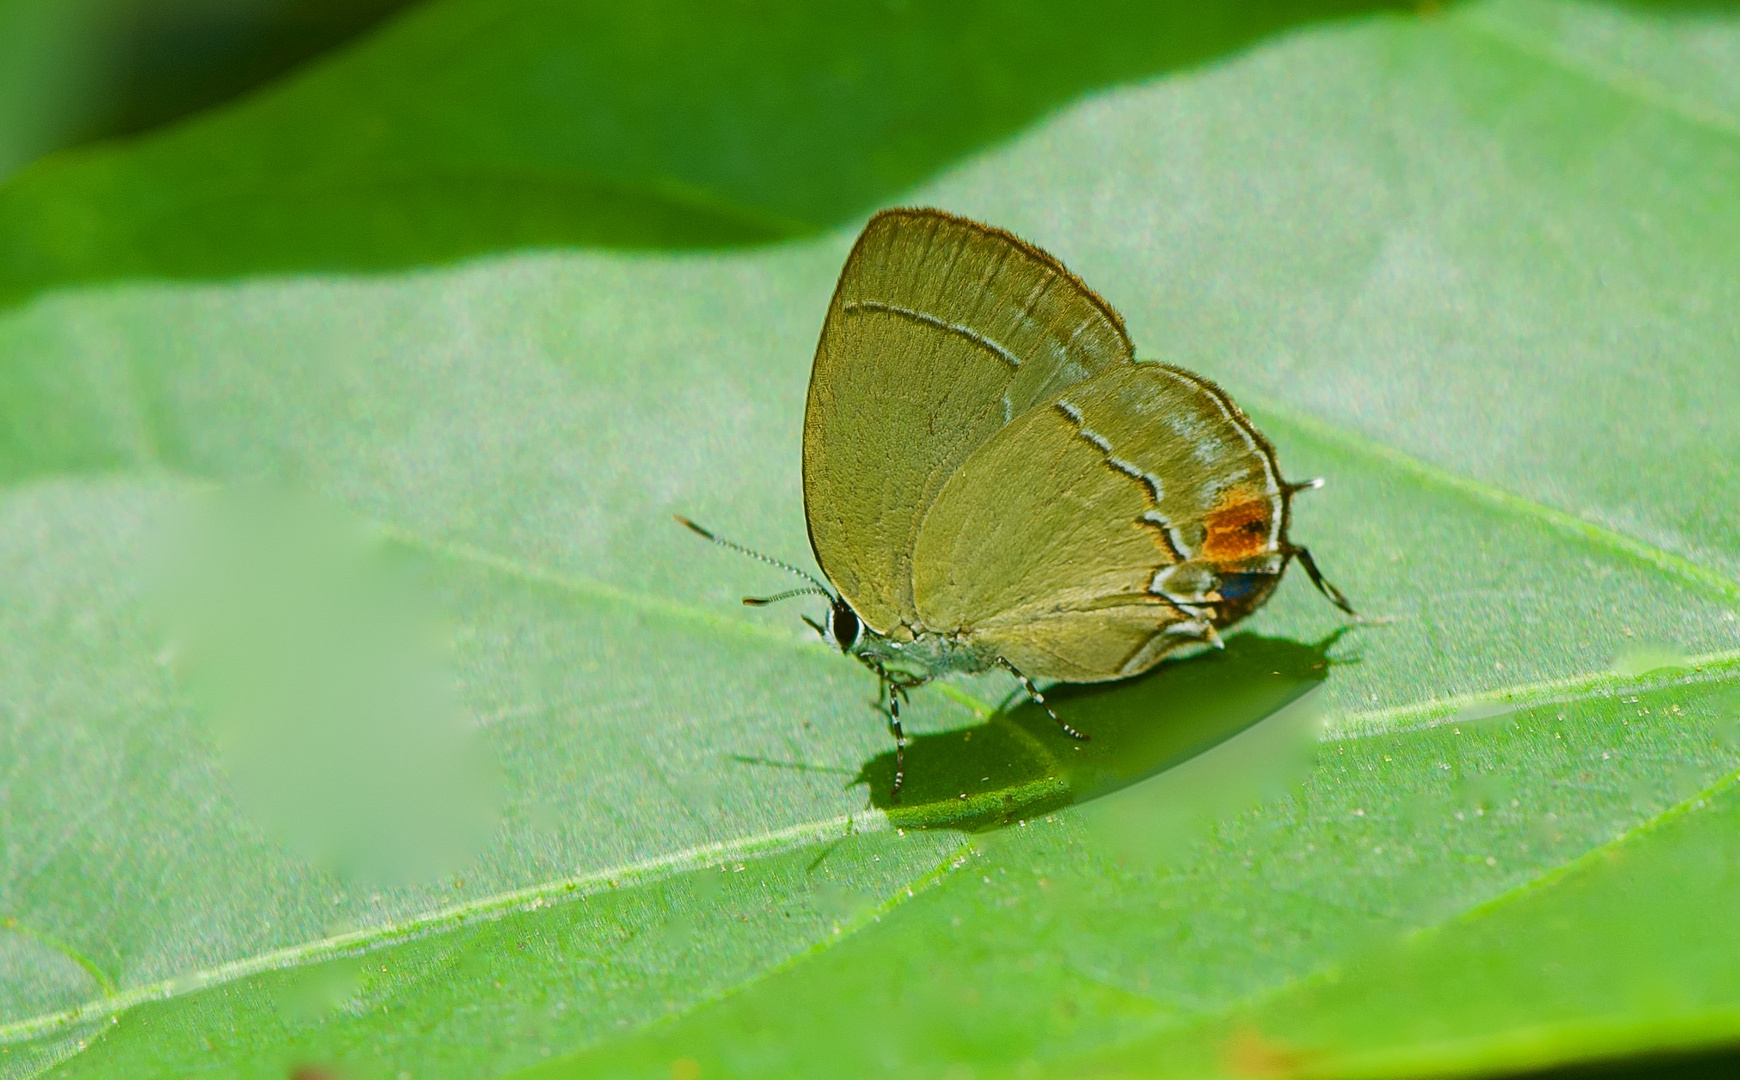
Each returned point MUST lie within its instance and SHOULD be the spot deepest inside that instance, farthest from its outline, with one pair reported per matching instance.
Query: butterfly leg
(1324, 586)
(1039, 699)
(897, 690)
(892, 687)
(894, 695)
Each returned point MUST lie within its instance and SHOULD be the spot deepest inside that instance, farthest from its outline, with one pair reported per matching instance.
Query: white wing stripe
(852, 307)
(1104, 446)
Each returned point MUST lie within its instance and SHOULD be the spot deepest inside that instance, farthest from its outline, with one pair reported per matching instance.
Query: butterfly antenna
(762, 601)
(768, 559)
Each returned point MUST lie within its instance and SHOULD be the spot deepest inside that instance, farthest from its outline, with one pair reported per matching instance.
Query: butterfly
(993, 481)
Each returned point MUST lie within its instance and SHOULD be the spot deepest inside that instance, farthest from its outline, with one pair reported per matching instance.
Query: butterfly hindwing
(1091, 536)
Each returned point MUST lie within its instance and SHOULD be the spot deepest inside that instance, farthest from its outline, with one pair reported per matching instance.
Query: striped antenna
(768, 559)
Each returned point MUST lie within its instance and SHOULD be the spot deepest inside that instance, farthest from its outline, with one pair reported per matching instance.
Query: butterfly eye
(843, 626)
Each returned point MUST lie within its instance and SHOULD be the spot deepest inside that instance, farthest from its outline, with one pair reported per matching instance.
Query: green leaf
(464, 127)
(1475, 268)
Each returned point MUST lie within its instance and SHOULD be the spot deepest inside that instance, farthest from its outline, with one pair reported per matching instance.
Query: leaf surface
(1474, 268)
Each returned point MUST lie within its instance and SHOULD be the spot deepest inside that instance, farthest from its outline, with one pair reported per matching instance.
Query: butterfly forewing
(941, 332)
(1088, 538)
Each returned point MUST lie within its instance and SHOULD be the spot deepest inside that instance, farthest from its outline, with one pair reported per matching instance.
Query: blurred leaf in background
(470, 126)
(75, 71)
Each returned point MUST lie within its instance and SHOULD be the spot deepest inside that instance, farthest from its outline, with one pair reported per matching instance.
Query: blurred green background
(475, 127)
(79, 72)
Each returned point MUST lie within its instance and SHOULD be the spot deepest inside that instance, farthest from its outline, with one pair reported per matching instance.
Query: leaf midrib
(481, 909)
(648, 871)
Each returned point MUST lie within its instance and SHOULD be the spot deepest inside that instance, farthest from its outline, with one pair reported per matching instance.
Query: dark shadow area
(172, 58)
(1722, 1063)
(467, 127)
(1018, 764)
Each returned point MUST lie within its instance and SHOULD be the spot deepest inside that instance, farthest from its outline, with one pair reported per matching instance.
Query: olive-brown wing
(940, 332)
(1086, 539)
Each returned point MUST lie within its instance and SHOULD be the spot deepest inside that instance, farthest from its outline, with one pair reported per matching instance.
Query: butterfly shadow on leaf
(1018, 765)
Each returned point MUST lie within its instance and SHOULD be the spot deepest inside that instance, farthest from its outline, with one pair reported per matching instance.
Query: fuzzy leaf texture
(364, 714)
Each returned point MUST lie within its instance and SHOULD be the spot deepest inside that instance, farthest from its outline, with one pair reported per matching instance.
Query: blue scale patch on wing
(1239, 586)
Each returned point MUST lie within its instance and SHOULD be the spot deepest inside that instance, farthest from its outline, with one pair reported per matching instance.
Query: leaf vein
(1625, 83)
(1596, 535)
(454, 916)
(1547, 878)
(1709, 667)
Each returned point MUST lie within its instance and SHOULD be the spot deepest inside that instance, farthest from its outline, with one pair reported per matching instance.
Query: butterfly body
(927, 655)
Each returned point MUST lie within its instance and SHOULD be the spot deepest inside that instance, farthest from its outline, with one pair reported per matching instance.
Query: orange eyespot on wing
(1237, 529)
